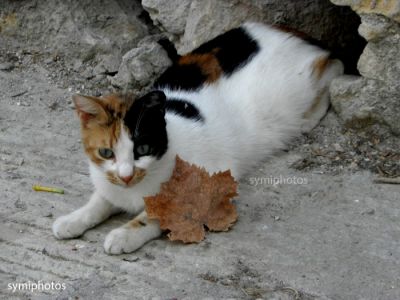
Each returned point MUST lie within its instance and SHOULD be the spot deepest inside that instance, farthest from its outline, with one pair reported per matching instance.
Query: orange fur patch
(138, 176)
(207, 62)
(96, 136)
(293, 31)
(116, 106)
(319, 66)
(112, 178)
(103, 130)
(321, 63)
(139, 222)
(136, 223)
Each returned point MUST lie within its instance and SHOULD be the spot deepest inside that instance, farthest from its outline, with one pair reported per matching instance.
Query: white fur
(144, 162)
(123, 164)
(123, 151)
(248, 116)
(95, 211)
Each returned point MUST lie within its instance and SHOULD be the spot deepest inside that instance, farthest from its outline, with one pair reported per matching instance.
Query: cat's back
(219, 57)
(258, 75)
(276, 50)
(285, 69)
(252, 88)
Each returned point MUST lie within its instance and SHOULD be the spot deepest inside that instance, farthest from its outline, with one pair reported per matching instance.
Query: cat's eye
(106, 153)
(143, 149)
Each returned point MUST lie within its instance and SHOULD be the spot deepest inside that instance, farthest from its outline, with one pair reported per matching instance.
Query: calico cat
(229, 104)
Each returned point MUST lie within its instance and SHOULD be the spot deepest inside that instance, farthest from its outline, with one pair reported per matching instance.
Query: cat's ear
(88, 108)
(155, 100)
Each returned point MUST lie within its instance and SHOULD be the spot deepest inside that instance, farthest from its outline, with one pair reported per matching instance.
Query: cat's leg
(76, 223)
(325, 70)
(318, 109)
(132, 235)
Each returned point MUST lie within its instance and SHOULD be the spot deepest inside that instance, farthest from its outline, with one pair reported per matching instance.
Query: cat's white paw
(123, 240)
(69, 226)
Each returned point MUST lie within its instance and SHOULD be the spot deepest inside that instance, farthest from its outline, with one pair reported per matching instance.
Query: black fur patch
(184, 108)
(232, 50)
(146, 123)
(186, 77)
(169, 48)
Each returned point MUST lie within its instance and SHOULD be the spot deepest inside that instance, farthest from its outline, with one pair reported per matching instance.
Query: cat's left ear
(155, 100)
(89, 108)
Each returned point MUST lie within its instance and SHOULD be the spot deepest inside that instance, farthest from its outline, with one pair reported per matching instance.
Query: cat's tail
(169, 48)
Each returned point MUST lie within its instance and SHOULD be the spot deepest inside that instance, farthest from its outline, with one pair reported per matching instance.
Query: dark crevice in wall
(334, 27)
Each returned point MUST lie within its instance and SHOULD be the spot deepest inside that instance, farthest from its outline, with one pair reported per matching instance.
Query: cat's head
(123, 136)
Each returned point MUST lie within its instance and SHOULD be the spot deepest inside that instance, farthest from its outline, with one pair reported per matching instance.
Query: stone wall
(373, 97)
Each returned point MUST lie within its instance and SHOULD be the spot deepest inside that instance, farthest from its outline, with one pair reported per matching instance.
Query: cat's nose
(126, 179)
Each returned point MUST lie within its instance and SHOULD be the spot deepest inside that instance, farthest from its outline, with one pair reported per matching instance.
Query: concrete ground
(336, 236)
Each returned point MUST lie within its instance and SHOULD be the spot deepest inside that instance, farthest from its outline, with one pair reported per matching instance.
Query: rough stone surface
(171, 16)
(197, 21)
(381, 57)
(140, 66)
(89, 36)
(85, 27)
(361, 102)
(389, 8)
(375, 27)
(374, 97)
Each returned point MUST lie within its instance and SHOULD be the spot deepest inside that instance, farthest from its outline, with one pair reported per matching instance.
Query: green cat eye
(106, 153)
(143, 149)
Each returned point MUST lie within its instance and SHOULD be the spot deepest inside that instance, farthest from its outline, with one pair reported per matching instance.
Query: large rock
(189, 23)
(171, 16)
(374, 97)
(381, 57)
(389, 8)
(207, 19)
(362, 102)
(141, 66)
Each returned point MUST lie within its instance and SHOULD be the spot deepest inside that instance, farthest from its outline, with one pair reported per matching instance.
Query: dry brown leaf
(192, 199)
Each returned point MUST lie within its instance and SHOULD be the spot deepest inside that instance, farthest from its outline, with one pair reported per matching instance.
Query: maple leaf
(192, 199)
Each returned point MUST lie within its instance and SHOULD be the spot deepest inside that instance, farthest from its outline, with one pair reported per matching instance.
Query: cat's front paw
(123, 240)
(69, 226)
